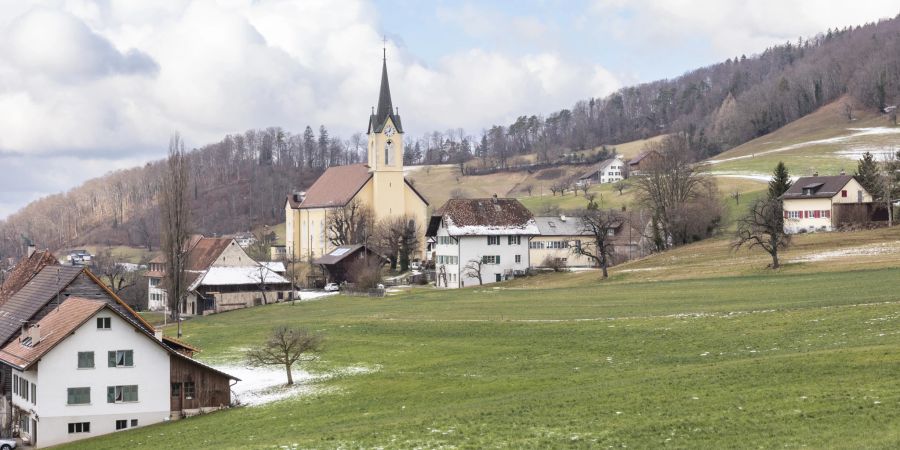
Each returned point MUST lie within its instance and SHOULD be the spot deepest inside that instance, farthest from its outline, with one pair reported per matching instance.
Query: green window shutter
(71, 397)
(498, 259)
(111, 358)
(110, 394)
(484, 259)
(129, 358)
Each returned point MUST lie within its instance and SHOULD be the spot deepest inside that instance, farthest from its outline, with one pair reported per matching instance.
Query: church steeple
(385, 107)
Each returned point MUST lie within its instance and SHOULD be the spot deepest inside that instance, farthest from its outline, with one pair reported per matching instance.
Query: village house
(486, 234)
(221, 276)
(607, 171)
(558, 235)
(561, 235)
(379, 185)
(78, 362)
(824, 203)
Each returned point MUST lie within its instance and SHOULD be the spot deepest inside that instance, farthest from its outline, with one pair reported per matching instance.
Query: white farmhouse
(486, 235)
(87, 369)
(606, 171)
(824, 203)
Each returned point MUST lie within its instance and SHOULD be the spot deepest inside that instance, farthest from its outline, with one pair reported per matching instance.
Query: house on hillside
(823, 203)
(379, 184)
(221, 276)
(560, 235)
(486, 234)
(643, 160)
(77, 362)
(606, 171)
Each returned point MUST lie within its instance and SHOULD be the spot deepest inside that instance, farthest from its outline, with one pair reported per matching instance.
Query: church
(379, 184)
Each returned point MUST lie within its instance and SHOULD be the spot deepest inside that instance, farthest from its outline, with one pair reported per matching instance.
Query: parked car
(332, 287)
(7, 444)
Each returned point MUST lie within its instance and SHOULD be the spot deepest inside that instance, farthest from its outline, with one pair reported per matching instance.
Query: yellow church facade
(379, 185)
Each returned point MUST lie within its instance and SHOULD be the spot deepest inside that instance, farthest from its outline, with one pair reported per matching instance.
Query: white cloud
(84, 81)
(731, 27)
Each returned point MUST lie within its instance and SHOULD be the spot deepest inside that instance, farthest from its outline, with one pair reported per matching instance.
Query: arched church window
(389, 153)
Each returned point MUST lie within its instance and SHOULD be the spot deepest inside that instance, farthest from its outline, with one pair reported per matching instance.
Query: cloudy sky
(89, 86)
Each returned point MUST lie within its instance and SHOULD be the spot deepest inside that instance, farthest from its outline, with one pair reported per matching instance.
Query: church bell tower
(385, 153)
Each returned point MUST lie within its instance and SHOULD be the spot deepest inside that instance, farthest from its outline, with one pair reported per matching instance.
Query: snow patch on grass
(262, 385)
(880, 248)
(855, 133)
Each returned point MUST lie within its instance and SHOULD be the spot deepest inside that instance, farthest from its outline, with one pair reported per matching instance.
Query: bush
(365, 273)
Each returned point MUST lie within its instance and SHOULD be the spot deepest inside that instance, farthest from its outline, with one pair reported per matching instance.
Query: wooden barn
(338, 263)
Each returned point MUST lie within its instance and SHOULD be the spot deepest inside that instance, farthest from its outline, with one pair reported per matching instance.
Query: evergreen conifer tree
(781, 181)
(867, 173)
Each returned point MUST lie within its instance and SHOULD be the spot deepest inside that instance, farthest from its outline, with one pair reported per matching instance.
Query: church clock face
(389, 131)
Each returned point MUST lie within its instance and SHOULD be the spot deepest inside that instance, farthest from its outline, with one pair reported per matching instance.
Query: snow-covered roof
(231, 276)
(275, 266)
(527, 228)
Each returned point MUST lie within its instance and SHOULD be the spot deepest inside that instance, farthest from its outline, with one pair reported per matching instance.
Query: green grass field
(803, 357)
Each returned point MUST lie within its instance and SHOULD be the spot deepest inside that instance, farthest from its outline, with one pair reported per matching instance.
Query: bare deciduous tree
(351, 224)
(397, 238)
(600, 227)
(112, 272)
(472, 269)
(175, 225)
(285, 347)
(763, 226)
(675, 189)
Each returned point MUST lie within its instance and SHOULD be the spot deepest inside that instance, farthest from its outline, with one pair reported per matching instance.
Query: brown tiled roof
(340, 253)
(337, 186)
(37, 293)
(24, 271)
(54, 327)
(202, 252)
(819, 187)
(637, 159)
(205, 252)
(491, 212)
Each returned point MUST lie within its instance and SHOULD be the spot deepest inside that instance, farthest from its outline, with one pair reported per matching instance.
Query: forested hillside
(242, 180)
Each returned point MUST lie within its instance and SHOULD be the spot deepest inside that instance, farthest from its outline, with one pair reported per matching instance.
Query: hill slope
(825, 141)
(696, 362)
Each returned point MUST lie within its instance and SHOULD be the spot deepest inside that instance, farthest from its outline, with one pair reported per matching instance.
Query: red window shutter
(816, 214)
(785, 214)
(827, 214)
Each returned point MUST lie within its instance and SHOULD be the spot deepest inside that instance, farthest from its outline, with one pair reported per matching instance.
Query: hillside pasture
(824, 141)
(767, 359)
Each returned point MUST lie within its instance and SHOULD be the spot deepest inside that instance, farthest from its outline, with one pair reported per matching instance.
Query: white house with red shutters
(823, 203)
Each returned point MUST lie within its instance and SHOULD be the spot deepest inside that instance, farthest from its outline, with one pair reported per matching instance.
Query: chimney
(31, 335)
(843, 173)
(29, 251)
(816, 173)
(494, 198)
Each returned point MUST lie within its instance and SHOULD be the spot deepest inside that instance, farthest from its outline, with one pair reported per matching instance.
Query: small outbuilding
(338, 263)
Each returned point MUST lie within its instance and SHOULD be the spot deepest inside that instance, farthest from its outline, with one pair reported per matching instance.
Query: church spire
(385, 107)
